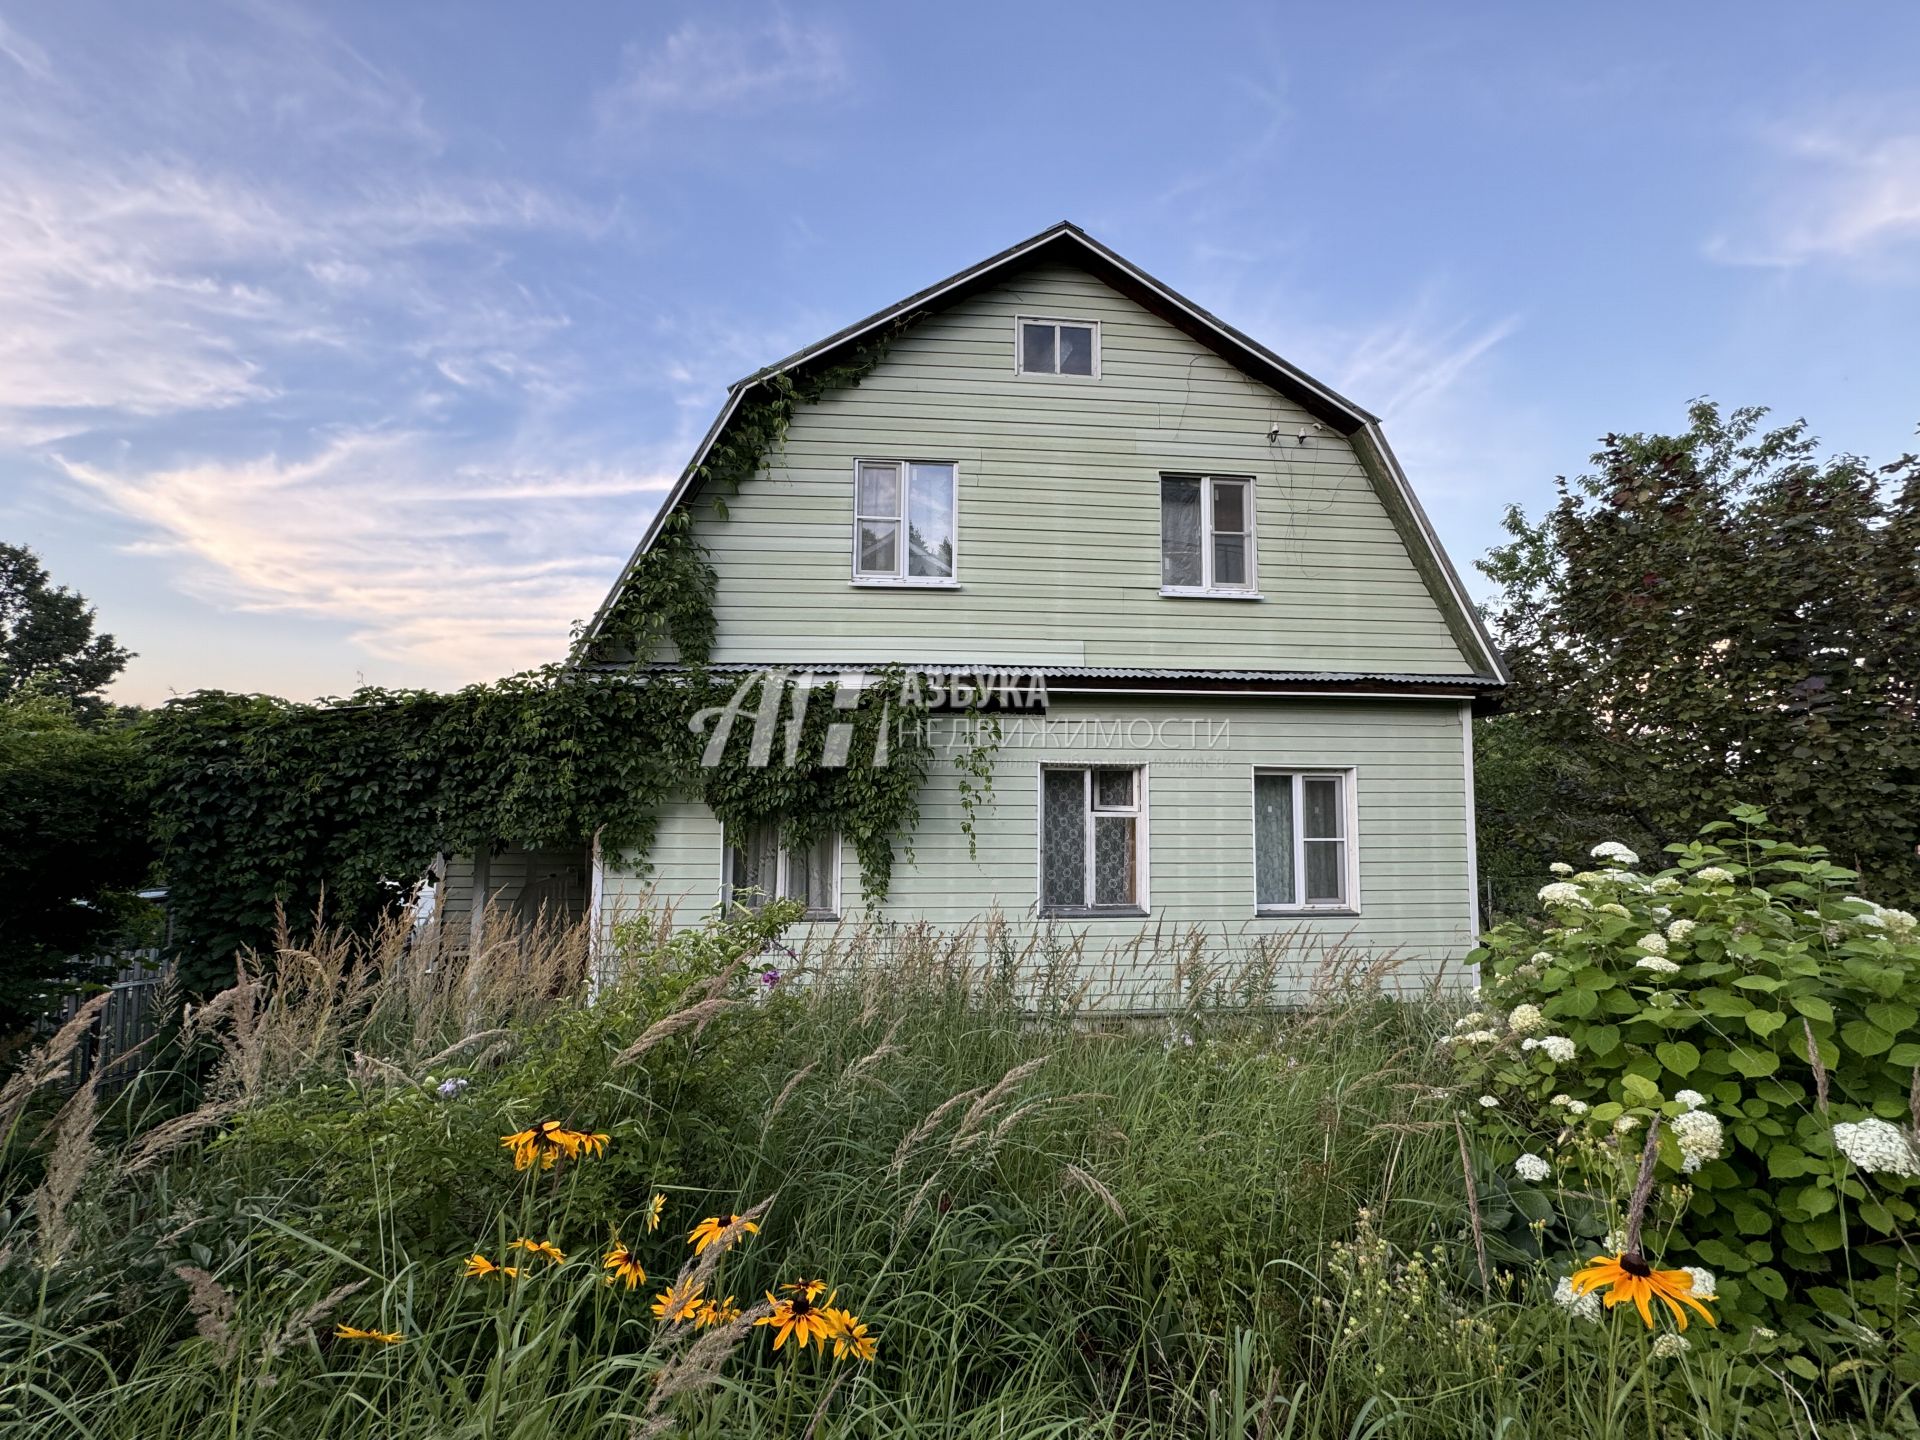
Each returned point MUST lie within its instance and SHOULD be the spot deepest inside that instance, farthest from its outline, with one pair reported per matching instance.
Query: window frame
(1349, 780)
(1020, 322)
(1143, 898)
(900, 578)
(1208, 589)
(781, 878)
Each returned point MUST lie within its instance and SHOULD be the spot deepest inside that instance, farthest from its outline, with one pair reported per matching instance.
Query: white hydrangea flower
(1488, 1102)
(1479, 1037)
(1561, 1099)
(1899, 924)
(1540, 957)
(1713, 875)
(1525, 1018)
(1700, 1138)
(1657, 965)
(1595, 877)
(1532, 1169)
(1665, 885)
(1469, 1020)
(1614, 850)
(1704, 1287)
(1692, 1099)
(1580, 1307)
(1877, 1147)
(1671, 1345)
(1616, 1241)
(1578, 1107)
(1562, 893)
(1560, 867)
(1614, 907)
(1761, 1332)
(1679, 930)
(1652, 944)
(1625, 1125)
(1559, 1048)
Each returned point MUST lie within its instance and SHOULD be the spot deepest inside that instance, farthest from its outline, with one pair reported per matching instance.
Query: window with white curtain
(1302, 848)
(760, 869)
(904, 529)
(1092, 840)
(1206, 535)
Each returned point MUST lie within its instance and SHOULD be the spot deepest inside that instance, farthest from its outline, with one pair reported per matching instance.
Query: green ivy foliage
(264, 805)
(1748, 983)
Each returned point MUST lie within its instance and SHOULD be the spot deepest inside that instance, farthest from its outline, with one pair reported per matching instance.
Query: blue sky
(357, 341)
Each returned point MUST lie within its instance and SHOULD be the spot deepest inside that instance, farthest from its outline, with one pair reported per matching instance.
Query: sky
(354, 343)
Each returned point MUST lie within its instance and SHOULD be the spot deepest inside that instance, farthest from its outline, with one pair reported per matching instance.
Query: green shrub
(1767, 1014)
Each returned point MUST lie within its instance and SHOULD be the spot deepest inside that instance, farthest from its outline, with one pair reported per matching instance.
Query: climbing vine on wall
(264, 806)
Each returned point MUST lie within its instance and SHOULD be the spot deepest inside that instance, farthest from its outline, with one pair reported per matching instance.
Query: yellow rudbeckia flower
(711, 1229)
(1628, 1277)
(540, 1247)
(380, 1337)
(624, 1265)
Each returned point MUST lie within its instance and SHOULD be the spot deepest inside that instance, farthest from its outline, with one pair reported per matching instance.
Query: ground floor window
(1302, 849)
(759, 869)
(1092, 840)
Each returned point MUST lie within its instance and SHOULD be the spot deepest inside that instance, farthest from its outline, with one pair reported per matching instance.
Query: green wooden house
(1259, 666)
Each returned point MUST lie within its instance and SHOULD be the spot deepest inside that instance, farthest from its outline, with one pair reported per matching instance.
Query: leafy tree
(73, 846)
(1536, 801)
(46, 637)
(1721, 617)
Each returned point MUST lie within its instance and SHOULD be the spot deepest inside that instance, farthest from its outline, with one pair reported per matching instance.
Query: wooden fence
(116, 1049)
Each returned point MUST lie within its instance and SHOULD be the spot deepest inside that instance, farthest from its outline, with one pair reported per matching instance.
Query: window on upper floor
(904, 524)
(1207, 536)
(1302, 845)
(1093, 852)
(759, 869)
(1057, 347)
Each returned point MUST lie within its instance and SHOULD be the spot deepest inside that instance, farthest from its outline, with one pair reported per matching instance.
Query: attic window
(1058, 347)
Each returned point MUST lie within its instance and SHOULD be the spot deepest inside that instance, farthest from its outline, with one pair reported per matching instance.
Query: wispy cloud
(464, 574)
(1845, 191)
(224, 243)
(706, 68)
(149, 267)
(1406, 363)
(23, 52)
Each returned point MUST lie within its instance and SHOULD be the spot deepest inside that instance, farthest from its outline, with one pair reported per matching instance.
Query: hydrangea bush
(1750, 998)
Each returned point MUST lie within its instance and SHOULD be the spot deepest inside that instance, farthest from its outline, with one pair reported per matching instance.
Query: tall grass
(1234, 1220)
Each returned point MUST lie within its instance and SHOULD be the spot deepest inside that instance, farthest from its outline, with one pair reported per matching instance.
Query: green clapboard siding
(1059, 523)
(1410, 779)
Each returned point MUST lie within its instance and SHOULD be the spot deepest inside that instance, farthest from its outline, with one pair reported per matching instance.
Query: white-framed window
(1044, 345)
(1093, 839)
(1303, 852)
(905, 522)
(758, 869)
(1207, 535)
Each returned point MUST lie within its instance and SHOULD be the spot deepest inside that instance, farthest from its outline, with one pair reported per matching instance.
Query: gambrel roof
(1066, 243)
